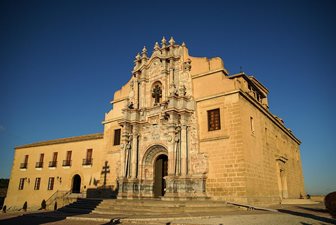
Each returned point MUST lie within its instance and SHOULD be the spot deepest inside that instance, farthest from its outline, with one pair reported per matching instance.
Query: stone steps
(147, 207)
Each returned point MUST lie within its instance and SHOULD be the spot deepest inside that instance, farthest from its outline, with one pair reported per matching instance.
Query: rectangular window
(53, 163)
(41, 157)
(51, 183)
(88, 159)
(24, 165)
(21, 184)
(55, 157)
(116, 140)
(39, 164)
(252, 124)
(67, 162)
(214, 120)
(37, 183)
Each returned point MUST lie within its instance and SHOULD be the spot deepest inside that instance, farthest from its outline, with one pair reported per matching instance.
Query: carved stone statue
(172, 90)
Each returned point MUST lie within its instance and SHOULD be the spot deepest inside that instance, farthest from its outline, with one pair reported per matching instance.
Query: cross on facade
(106, 170)
(157, 94)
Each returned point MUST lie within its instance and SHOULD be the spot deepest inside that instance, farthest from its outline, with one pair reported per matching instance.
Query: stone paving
(287, 215)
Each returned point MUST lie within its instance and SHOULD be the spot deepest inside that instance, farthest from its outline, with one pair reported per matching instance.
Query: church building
(182, 127)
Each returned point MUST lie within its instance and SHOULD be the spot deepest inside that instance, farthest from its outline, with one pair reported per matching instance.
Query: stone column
(171, 74)
(142, 97)
(136, 93)
(123, 155)
(134, 163)
(171, 146)
(183, 150)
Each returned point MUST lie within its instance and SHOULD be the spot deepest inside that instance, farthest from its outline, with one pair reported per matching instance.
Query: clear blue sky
(61, 62)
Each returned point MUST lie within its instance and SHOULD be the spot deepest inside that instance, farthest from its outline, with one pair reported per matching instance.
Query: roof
(252, 80)
(63, 140)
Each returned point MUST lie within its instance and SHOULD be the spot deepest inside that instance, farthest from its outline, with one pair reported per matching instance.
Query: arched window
(157, 93)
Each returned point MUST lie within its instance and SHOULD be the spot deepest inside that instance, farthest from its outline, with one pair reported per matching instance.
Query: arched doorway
(76, 184)
(160, 171)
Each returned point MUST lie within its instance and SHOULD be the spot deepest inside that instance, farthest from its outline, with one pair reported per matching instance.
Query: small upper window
(37, 183)
(252, 124)
(21, 184)
(116, 140)
(214, 120)
(51, 183)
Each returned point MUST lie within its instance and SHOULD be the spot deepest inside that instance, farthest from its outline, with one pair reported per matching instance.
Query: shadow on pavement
(308, 215)
(43, 217)
(32, 218)
(319, 210)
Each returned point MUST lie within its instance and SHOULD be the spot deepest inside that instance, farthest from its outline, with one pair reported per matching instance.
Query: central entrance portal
(160, 171)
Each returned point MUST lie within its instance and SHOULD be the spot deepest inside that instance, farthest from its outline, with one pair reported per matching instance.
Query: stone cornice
(262, 109)
(208, 73)
(112, 120)
(63, 140)
(118, 100)
(270, 115)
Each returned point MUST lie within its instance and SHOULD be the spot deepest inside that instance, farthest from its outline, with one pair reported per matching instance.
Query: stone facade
(180, 128)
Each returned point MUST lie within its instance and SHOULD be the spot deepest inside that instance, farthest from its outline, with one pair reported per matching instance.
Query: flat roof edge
(63, 140)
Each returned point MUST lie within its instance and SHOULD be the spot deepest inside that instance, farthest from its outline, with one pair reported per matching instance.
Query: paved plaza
(286, 215)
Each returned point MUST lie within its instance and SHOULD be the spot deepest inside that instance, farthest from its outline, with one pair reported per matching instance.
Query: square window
(214, 120)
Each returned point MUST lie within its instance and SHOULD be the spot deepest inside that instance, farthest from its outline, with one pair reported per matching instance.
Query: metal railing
(52, 163)
(87, 162)
(23, 165)
(39, 165)
(66, 163)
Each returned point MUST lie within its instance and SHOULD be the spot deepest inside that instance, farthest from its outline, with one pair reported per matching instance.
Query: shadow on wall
(102, 193)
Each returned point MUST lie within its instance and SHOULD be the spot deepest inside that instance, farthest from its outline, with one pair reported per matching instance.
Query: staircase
(81, 206)
(142, 211)
(159, 207)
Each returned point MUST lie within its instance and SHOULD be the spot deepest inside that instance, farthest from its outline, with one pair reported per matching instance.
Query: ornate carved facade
(180, 128)
(159, 118)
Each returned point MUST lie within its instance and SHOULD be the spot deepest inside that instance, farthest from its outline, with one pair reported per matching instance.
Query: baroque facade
(180, 128)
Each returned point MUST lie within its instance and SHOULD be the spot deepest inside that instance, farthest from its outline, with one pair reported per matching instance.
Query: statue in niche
(173, 91)
(131, 105)
(157, 94)
(183, 90)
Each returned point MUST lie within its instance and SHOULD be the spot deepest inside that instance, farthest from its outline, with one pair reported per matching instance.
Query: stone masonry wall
(226, 175)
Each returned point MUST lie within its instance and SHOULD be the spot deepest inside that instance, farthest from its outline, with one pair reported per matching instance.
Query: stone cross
(106, 170)
(157, 94)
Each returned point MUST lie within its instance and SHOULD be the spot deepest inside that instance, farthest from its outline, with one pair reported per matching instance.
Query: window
(67, 162)
(53, 163)
(88, 159)
(39, 164)
(51, 183)
(24, 165)
(37, 183)
(116, 140)
(214, 120)
(21, 184)
(252, 124)
(157, 93)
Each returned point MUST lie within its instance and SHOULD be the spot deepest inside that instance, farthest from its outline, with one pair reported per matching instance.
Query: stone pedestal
(185, 187)
(128, 188)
